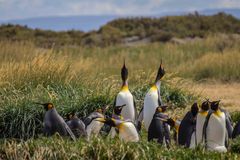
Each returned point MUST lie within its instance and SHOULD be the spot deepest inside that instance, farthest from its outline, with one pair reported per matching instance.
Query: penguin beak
(100, 120)
(121, 107)
(161, 72)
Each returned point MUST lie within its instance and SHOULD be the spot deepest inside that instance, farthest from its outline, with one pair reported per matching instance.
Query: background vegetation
(126, 30)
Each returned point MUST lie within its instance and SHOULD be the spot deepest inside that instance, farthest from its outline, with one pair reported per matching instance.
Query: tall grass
(70, 82)
(82, 79)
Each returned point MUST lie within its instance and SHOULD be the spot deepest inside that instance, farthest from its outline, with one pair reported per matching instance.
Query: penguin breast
(216, 131)
(128, 132)
(150, 105)
(94, 127)
(199, 127)
(128, 111)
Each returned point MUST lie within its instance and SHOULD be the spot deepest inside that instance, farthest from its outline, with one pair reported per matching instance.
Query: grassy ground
(82, 79)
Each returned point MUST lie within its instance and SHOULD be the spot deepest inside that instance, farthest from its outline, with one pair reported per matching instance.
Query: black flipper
(139, 120)
(236, 130)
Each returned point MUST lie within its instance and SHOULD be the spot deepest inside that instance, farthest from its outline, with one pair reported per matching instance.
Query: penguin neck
(157, 84)
(218, 112)
(125, 86)
(203, 112)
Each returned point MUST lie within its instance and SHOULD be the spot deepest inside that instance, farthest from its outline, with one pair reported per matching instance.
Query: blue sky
(18, 9)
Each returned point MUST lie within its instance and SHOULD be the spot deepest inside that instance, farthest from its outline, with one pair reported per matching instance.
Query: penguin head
(71, 115)
(99, 110)
(118, 109)
(194, 109)
(124, 73)
(215, 105)
(161, 108)
(205, 105)
(160, 73)
(47, 106)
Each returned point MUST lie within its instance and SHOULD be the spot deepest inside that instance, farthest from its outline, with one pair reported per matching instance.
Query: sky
(21, 9)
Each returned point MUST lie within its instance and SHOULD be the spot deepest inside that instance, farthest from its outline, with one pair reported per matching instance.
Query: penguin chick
(126, 129)
(187, 127)
(53, 122)
(76, 125)
(158, 128)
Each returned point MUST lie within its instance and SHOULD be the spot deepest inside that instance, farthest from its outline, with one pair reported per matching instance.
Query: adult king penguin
(126, 129)
(201, 117)
(152, 100)
(76, 125)
(53, 122)
(158, 128)
(124, 97)
(214, 130)
(186, 133)
(116, 115)
(93, 126)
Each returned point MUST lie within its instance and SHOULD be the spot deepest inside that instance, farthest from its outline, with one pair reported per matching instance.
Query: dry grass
(228, 93)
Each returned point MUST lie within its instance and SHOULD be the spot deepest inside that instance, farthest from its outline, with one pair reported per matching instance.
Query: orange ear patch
(50, 106)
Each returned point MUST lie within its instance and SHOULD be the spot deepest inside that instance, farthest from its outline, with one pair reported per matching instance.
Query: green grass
(100, 148)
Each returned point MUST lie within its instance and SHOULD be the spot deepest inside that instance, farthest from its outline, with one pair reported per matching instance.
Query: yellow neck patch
(154, 88)
(218, 113)
(204, 113)
(124, 88)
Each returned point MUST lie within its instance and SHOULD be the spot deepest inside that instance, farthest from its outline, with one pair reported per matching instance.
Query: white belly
(128, 112)
(94, 128)
(193, 140)
(128, 132)
(199, 127)
(216, 133)
(150, 105)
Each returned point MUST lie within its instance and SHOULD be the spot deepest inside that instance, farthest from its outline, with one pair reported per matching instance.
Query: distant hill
(88, 23)
(56, 23)
(128, 30)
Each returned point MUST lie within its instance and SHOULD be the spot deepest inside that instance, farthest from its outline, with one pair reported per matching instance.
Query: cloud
(14, 9)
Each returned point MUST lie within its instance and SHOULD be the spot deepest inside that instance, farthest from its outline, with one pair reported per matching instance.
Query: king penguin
(124, 97)
(201, 117)
(152, 100)
(54, 123)
(158, 128)
(126, 129)
(116, 115)
(93, 126)
(186, 133)
(214, 130)
(76, 125)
